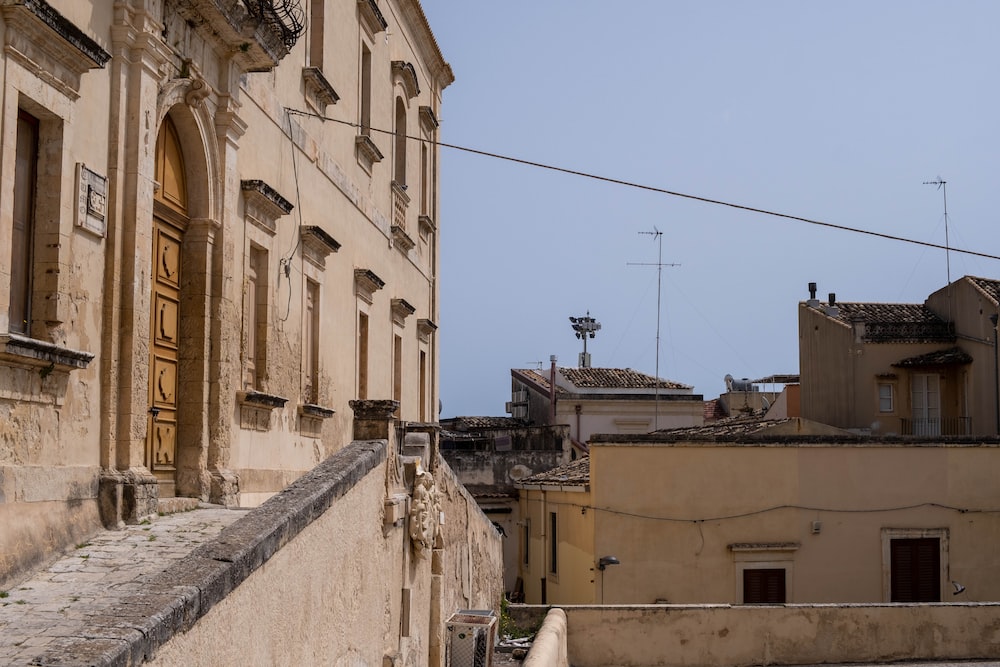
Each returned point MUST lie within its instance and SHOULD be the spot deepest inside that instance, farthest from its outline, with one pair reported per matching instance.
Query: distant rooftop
(989, 287)
(464, 424)
(602, 380)
(575, 473)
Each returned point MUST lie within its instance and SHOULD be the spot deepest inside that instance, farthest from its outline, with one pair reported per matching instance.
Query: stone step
(175, 505)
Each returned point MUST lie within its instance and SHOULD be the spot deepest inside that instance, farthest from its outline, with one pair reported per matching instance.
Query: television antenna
(942, 185)
(658, 236)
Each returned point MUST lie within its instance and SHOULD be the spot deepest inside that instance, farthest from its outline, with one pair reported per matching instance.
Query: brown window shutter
(915, 570)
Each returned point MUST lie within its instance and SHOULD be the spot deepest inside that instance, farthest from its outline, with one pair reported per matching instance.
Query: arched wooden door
(169, 222)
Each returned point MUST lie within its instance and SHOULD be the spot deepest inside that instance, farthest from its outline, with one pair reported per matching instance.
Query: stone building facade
(221, 218)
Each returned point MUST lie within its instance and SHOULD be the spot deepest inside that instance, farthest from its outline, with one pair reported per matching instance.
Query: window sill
(311, 418)
(256, 408)
(29, 352)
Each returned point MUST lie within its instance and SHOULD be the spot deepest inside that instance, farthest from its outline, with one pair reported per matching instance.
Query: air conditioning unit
(509, 407)
(470, 638)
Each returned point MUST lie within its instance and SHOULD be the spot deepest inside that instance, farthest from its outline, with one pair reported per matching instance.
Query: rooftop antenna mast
(658, 236)
(942, 185)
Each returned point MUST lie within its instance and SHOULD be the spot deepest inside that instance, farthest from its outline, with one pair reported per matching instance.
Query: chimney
(813, 302)
(832, 309)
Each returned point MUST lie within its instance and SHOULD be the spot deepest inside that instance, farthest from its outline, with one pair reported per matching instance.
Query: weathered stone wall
(348, 588)
(712, 635)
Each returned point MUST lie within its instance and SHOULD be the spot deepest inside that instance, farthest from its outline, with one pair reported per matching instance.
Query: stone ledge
(172, 601)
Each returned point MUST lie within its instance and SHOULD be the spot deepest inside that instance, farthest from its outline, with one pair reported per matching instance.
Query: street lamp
(585, 327)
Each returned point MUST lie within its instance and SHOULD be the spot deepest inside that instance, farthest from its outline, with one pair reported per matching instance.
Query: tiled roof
(463, 424)
(887, 312)
(616, 378)
(991, 288)
(538, 377)
(954, 356)
(728, 428)
(575, 473)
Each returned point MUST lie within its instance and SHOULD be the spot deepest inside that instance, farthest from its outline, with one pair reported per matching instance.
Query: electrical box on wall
(91, 200)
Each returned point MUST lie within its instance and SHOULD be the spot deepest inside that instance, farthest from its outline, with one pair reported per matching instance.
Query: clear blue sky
(832, 111)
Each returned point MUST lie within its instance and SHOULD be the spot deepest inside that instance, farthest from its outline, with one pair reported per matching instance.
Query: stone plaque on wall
(91, 200)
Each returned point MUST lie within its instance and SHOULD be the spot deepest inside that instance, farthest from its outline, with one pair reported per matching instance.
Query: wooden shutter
(915, 570)
(764, 586)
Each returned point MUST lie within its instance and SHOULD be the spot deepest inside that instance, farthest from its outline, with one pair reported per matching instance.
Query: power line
(664, 191)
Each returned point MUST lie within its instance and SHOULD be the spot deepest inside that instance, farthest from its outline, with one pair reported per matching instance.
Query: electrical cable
(672, 193)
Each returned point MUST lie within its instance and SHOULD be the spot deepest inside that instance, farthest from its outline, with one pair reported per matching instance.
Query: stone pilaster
(374, 419)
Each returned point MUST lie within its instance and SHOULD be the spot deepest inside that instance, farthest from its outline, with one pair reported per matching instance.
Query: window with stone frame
(362, 355)
(310, 344)
(23, 232)
(397, 368)
(255, 321)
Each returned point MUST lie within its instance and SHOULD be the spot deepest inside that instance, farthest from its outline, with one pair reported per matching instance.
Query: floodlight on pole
(585, 327)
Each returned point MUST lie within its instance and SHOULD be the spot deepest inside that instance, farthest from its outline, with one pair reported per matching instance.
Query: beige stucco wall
(670, 512)
(708, 635)
(970, 310)
(348, 590)
(573, 582)
(626, 416)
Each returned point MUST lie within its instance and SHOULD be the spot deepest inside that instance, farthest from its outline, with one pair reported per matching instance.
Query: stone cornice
(425, 329)
(428, 120)
(367, 152)
(401, 240)
(366, 283)
(49, 45)
(317, 245)
(318, 88)
(426, 224)
(263, 204)
(401, 309)
(406, 74)
(426, 45)
(371, 17)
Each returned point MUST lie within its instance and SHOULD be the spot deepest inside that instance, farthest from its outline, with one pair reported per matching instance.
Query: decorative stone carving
(425, 513)
(319, 92)
(401, 240)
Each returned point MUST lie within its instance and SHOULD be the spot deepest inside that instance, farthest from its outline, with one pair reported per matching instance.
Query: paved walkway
(57, 601)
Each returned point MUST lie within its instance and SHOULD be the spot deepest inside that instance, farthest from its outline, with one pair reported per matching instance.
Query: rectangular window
(310, 343)
(366, 90)
(926, 401)
(425, 182)
(316, 29)
(526, 542)
(22, 251)
(885, 396)
(915, 570)
(256, 319)
(764, 586)
(423, 386)
(362, 356)
(397, 368)
(553, 543)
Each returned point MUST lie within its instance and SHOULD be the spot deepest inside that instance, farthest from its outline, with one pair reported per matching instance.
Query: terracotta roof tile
(616, 378)
(991, 288)
(463, 424)
(729, 427)
(575, 473)
(954, 356)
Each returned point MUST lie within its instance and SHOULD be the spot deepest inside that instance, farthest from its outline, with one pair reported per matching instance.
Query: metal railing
(936, 427)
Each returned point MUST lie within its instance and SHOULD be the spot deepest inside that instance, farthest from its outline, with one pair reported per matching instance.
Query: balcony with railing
(936, 427)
